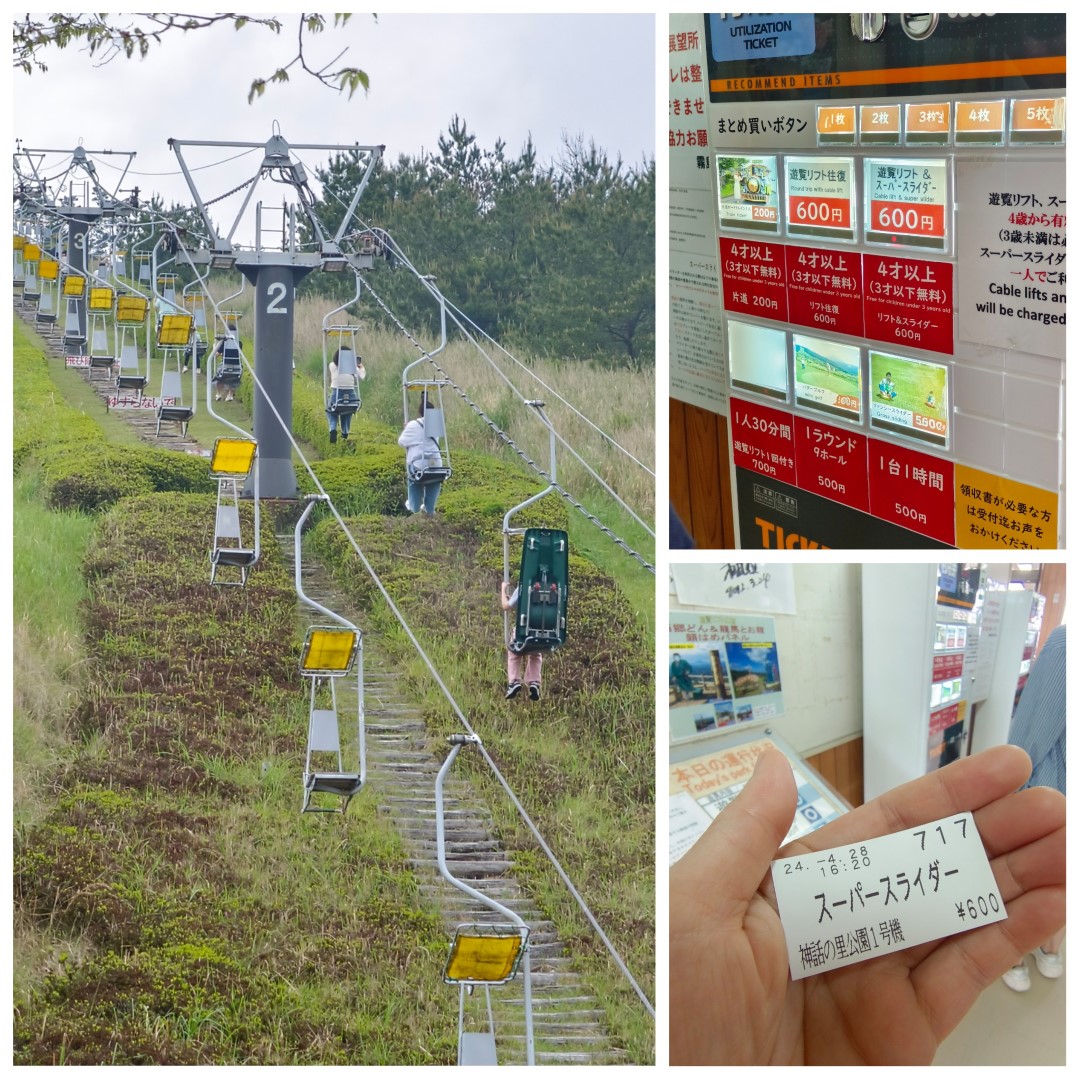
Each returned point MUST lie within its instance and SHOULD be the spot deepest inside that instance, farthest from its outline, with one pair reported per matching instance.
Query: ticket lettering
(879, 896)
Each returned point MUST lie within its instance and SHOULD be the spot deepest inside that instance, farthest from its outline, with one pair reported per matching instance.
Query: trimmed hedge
(81, 470)
(96, 475)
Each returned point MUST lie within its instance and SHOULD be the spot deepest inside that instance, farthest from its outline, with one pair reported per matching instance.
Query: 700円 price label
(879, 896)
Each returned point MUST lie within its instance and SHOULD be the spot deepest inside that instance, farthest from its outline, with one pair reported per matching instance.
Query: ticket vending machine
(868, 290)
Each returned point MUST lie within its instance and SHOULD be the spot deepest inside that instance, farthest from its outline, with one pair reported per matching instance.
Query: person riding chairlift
(421, 453)
(343, 394)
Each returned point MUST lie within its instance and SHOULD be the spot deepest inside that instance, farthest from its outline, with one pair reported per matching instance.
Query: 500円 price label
(878, 896)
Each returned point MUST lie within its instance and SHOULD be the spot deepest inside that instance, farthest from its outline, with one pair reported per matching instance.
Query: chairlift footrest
(432, 476)
(233, 557)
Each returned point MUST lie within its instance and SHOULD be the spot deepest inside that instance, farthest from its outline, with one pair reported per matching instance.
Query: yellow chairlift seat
(73, 289)
(131, 312)
(173, 335)
(231, 463)
(329, 653)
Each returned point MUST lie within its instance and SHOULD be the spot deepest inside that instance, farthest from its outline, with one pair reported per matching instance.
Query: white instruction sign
(875, 897)
(686, 822)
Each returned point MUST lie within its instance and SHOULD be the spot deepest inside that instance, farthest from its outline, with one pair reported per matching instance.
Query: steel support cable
(620, 963)
(577, 412)
(404, 259)
(177, 172)
(502, 435)
(502, 375)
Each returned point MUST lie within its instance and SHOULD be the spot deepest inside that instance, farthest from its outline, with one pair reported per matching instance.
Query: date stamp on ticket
(879, 896)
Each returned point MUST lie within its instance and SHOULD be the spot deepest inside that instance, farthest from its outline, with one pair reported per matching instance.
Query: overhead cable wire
(508, 440)
(400, 254)
(498, 371)
(177, 172)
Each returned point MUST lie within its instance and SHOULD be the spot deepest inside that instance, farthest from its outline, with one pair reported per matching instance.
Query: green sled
(542, 592)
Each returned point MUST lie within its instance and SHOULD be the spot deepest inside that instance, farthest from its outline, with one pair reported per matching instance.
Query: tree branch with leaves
(107, 37)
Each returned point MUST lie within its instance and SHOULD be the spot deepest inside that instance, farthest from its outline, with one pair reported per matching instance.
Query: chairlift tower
(274, 269)
(78, 204)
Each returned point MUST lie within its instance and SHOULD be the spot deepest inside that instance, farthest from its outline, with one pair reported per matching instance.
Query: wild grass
(47, 551)
(200, 918)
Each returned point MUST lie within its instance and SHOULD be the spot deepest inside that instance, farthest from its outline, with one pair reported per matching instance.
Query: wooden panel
(678, 471)
(699, 479)
(704, 482)
(841, 766)
(727, 502)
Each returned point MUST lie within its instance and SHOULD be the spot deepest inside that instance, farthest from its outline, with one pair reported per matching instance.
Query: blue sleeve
(678, 537)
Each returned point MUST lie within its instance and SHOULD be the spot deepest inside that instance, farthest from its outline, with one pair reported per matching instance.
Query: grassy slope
(214, 930)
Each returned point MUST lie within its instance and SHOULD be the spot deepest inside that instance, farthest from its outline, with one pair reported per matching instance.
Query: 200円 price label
(879, 896)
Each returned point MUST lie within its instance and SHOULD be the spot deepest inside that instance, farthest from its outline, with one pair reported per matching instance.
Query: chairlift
(166, 287)
(18, 268)
(232, 462)
(49, 274)
(193, 300)
(100, 304)
(339, 342)
(329, 655)
(140, 269)
(543, 582)
(173, 338)
(31, 262)
(230, 366)
(73, 290)
(482, 954)
(130, 320)
(436, 467)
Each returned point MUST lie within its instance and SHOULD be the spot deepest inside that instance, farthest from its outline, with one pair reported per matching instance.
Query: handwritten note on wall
(736, 586)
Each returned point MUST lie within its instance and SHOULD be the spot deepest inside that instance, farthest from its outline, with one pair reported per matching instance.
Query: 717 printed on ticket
(878, 896)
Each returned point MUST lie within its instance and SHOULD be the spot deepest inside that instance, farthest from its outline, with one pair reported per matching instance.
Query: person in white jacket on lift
(421, 452)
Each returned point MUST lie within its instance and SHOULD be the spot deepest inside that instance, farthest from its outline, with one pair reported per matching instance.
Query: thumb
(733, 855)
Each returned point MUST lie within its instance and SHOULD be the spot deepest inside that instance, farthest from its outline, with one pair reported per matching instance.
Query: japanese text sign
(871, 898)
(763, 440)
(912, 489)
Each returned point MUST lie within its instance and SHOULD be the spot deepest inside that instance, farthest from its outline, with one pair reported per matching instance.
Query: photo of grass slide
(909, 397)
(828, 376)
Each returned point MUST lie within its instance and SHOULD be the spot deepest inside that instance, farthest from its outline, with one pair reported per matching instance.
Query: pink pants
(531, 662)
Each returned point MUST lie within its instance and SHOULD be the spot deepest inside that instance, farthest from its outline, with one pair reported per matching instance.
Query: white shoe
(1018, 978)
(1049, 964)
(408, 506)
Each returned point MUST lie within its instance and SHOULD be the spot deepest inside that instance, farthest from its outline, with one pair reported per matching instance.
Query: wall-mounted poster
(766, 587)
(723, 670)
(748, 190)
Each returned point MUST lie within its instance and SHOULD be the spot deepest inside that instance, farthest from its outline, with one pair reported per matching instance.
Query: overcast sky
(505, 75)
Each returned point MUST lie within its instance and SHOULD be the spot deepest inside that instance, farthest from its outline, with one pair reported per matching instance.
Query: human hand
(732, 1001)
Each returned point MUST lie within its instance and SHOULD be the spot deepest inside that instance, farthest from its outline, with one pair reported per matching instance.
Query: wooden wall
(842, 767)
(700, 479)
